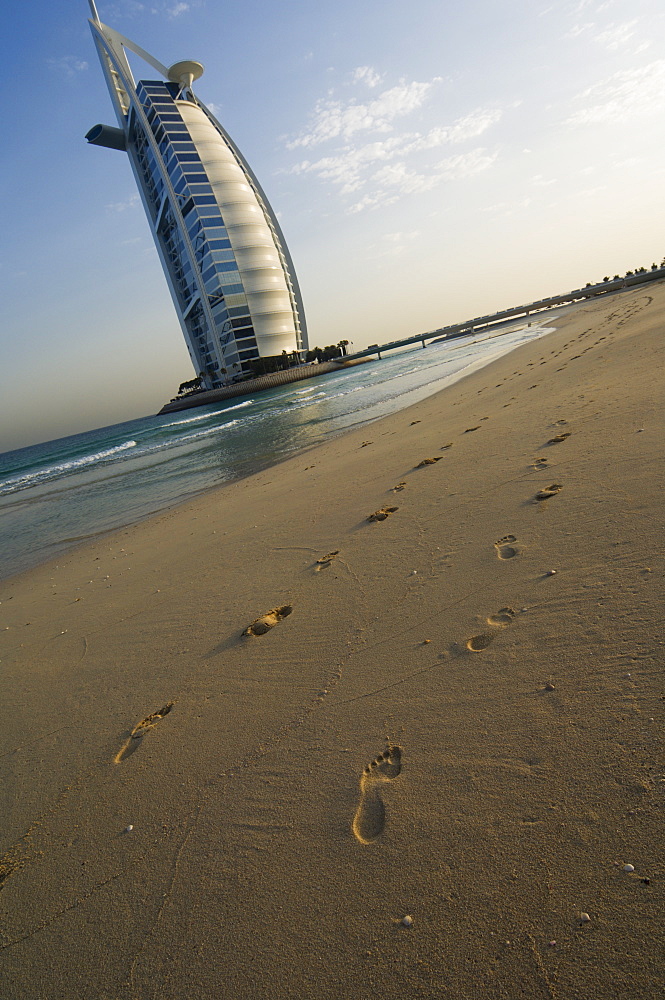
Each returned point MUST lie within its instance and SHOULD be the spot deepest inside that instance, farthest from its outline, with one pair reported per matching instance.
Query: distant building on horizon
(225, 259)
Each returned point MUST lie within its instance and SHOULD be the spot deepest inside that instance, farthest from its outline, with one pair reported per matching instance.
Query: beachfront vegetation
(328, 353)
(628, 274)
(185, 388)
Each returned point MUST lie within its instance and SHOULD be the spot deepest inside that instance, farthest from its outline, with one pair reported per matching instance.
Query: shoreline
(260, 384)
(436, 726)
(61, 546)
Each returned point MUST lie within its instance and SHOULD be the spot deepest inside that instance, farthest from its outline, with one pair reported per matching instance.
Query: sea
(55, 495)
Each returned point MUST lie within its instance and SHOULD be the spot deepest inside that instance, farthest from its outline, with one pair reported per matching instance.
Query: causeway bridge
(490, 322)
(516, 312)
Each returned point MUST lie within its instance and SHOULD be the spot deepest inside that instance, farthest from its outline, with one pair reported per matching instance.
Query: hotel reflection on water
(225, 259)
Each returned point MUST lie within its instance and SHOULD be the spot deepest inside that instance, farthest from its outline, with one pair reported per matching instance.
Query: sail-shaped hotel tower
(226, 262)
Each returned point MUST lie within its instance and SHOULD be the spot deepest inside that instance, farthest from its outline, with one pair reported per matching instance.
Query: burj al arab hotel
(224, 256)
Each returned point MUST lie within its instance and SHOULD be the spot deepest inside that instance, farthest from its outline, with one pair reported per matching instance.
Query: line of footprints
(370, 817)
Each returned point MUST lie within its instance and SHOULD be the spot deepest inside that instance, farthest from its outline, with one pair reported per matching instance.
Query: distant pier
(470, 326)
(466, 328)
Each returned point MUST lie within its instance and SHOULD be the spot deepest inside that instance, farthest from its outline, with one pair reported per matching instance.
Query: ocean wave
(209, 416)
(59, 470)
(194, 437)
(15, 483)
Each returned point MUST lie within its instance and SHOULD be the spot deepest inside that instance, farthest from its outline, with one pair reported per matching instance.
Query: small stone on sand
(407, 921)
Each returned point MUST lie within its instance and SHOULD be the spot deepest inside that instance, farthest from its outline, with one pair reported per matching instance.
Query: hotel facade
(226, 262)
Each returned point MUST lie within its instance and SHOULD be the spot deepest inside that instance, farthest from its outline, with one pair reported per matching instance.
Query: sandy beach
(455, 718)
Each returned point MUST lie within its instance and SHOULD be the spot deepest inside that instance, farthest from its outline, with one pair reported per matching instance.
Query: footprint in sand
(469, 429)
(559, 438)
(382, 513)
(445, 447)
(325, 560)
(266, 622)
(428, 461)
(539, 463)
(370, 818)
(139, 731)
(400, 486)
(478, 642)
(550, 491)
(505, 548)
(503, 617)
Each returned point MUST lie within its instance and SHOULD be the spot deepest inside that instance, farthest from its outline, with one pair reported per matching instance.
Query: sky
(428, 161)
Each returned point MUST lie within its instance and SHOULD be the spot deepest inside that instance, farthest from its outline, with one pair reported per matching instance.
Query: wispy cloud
(368, 75)
(69, 65)
(539, 181)
(468, 127)
(177, 9)
(383, 165)
(390, 245)
(579, 29)
(616, 35)
(622, 96)
(122, 8)
(374, 161)
(335, 119)
(122, 206)
(465, 165)
(134, 8)
(391, 182)
(508, 208)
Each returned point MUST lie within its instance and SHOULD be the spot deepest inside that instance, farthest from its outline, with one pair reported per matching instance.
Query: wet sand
(241, 741)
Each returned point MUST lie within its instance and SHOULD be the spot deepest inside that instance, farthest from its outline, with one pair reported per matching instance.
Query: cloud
(372, 201)
(334, 119)
(616, 35)
(134, 8)
(366, 74)
(465, 164)
(122, 9)
(347, 168)
(383, 163)
(122, 206)
(369, 158)
(398, 175)
(622, 96)
(468, 127)
(508, 208)
(579, 29)
(539, 181)
(69, 65)
(391, 245)
(391, 182)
